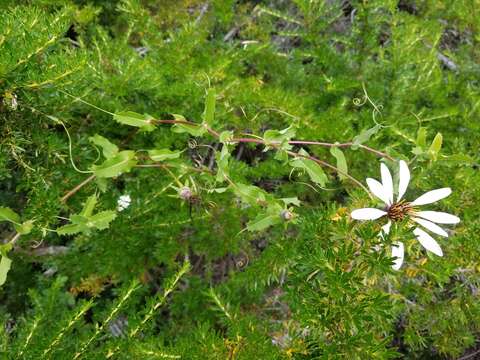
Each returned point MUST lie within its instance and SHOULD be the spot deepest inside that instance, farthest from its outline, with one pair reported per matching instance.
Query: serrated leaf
(7, 214)
(163, 154)
(109, 149)
(134, 119)
(5, 265)
(101, 220)
(263, 221)
(314, 171)
(341, 162)
(365, 135)
(89, 206)
(209, 112)
(69, 229)
(120, 163)
(436, 146)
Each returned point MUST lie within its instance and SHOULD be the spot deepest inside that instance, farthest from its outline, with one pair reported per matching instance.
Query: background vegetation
(180, 279)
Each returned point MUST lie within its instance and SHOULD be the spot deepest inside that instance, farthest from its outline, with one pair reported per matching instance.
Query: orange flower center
(398, 211)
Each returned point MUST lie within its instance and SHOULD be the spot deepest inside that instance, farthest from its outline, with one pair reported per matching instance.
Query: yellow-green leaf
(435, 147)
(145, 122)
(109, 149)
(5, 264)
(341, 162)
(119, 164)
(163, 154)
(7, 214)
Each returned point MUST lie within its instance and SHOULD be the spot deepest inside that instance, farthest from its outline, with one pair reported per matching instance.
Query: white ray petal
(432, 196)
(428, 242)
(398, 251)
(431, 226)
(367, 214)
(438, 217)
(378, 190)
(386, 227)
(404, 179)
(387, 182)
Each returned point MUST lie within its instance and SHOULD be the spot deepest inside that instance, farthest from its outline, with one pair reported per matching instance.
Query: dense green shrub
(210, 272)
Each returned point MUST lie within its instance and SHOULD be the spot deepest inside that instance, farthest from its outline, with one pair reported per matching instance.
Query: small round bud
(286, 215)
(185, 193)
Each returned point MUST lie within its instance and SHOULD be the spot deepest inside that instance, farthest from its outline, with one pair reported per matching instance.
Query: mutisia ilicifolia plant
(188, 181)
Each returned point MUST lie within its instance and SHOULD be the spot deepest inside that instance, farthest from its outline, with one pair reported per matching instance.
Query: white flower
(123, 202)
(399, 209)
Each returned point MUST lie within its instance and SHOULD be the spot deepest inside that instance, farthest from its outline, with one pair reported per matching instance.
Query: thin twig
(76, 188)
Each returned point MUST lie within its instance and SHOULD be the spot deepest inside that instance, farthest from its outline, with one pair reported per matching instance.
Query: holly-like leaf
(209, 112)
(109, 149)
(69, 229)
(163, 154)
(314, 171)
(7, 214)
(145, 122)
(101, 220)
(89, 206)
(120, 163)
(341, 162)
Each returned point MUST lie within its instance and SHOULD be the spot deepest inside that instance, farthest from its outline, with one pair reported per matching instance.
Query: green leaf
(314, 171)
(435, 147)
(109, 149)
(279, 138)
(422, 137)
(69, 229)
(194, 130)
(365, 135)
(7, 214)
(120, 163)
(250, 194)
(209, 113)
(89, 206)
(292, 201)
(101, 220)
(341, 162)
(24, 228)
(222, 158)
(5, 265)
(263, 221)
(163, 154)
(225, 136)
(134, 119)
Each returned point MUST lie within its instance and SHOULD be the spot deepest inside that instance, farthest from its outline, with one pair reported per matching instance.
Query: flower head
(123, 202)
(401, 209)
